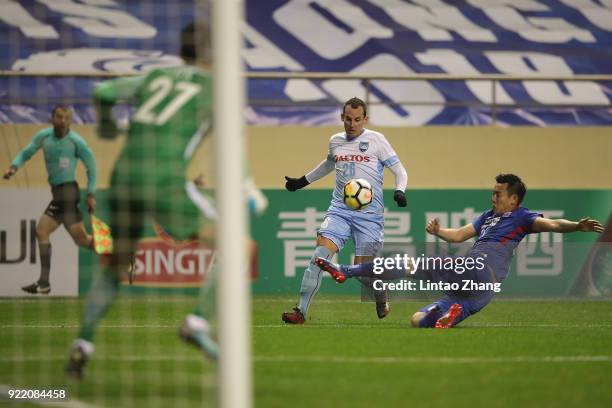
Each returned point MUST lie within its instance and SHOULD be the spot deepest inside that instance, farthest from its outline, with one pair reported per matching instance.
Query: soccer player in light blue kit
(63, 148)
(498, 231)
(355, 153)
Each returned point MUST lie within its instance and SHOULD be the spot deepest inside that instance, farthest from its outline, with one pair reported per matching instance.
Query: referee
(62, 148)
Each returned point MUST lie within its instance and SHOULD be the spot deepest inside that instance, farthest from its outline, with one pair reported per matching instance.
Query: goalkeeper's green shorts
(180, 209)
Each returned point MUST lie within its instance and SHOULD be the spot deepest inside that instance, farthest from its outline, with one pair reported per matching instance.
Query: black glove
(400, 198)
(293, 184)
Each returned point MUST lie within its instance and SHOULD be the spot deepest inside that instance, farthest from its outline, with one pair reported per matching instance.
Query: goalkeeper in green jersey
(172, 115)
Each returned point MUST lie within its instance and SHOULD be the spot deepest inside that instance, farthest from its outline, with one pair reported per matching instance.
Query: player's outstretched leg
(311, 282)
(80, 352)
(427, 316)
(195, 330)
(448, 320)
(335, 270)
(196, 327)
(100, 297)
(363, 270)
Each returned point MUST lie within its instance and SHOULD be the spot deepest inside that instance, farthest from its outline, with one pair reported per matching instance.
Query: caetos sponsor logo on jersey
(352, 158)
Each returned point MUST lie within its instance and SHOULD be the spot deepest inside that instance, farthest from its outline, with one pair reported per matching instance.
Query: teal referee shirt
(61, 156)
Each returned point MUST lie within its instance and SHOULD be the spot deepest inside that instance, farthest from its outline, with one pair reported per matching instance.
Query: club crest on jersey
(363, 146)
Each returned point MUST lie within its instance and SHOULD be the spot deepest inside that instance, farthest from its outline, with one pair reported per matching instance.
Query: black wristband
(302, 182)
(400, 198)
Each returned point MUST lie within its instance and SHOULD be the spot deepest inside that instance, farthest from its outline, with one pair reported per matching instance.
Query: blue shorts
(366, 229)
(471, 304)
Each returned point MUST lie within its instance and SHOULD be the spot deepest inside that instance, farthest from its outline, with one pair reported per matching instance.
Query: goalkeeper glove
(293, 184)
(400, 198)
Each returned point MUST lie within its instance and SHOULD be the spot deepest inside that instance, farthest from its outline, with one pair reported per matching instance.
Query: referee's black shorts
(64, 207)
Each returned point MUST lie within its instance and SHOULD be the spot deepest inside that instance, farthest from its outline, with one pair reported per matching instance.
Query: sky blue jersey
(364, 156)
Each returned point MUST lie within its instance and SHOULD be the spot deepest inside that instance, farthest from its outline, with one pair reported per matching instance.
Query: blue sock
(367, 270)
(311, 281)
(431, 317)
(352, 271)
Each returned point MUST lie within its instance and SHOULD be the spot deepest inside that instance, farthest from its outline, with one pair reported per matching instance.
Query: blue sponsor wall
(468, 37)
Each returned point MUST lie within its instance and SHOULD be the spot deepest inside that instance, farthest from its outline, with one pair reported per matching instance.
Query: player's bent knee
(42, 235)
(327, 243)
(416, 318)
(42, 238)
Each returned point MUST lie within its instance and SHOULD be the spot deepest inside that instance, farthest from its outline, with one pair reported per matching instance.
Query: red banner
(161, 264)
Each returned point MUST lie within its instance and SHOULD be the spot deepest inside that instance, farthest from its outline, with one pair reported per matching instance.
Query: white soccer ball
(358, 194)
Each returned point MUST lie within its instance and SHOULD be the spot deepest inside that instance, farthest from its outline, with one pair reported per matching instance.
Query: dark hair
(196, 42)
(355, 103)
(515, 185)
(57, 107)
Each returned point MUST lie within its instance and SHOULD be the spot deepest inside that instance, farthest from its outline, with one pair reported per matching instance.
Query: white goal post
(234, 297)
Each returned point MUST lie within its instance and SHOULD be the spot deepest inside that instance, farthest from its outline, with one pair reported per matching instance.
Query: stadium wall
(451, 173)
(435, 157)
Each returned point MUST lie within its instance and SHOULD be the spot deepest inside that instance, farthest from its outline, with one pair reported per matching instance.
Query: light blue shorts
(366, 229)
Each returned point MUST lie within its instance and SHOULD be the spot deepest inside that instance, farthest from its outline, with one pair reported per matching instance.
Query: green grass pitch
(514, 353)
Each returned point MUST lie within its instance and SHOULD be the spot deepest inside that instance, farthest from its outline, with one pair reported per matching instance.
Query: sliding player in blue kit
(497, 231)
(355, 153)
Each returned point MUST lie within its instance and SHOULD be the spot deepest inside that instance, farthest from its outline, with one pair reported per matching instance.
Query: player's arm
(25, 155)
(322, 170)
(85, 154)
(205, 205)
(451, 234)
(401, 180)
(106, 95)
(389, 159)
(542, 224)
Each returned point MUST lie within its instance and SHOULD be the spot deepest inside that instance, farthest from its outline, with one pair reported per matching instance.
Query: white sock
(87, 346)
(197, 323)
